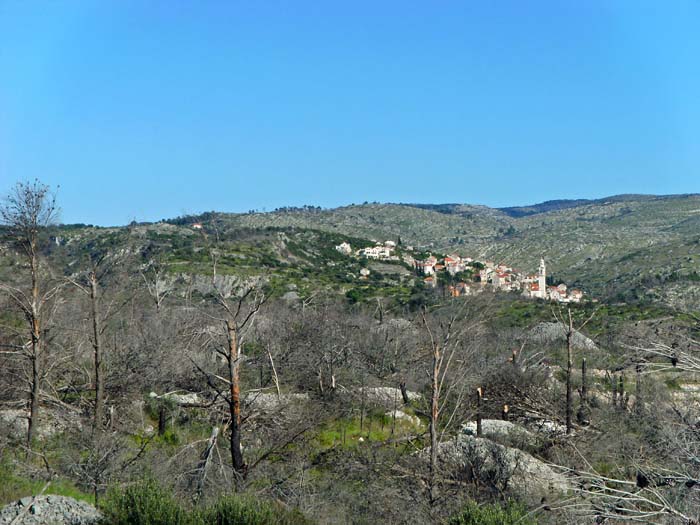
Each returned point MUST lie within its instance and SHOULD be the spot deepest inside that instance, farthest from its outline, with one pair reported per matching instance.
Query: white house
(344, 248)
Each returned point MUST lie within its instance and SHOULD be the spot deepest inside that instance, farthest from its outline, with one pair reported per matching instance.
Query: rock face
(403, 416)
(14, 422)
(503, 432)
(547, 333)
(190, 398)
(506, 469)
(50, 510)
(385, 396)
(267, 402)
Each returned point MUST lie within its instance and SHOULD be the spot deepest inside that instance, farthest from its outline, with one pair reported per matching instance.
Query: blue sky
(151, 109)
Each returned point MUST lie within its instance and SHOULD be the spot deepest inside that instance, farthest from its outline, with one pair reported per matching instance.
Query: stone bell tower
(542, 279)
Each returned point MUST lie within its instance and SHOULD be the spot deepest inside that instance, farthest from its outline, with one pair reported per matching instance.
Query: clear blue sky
(151, 109)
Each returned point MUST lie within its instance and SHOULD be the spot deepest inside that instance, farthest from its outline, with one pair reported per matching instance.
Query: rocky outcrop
(184, 399)
(503, 432)
(49, 510)
(384, 396)
(548, 333)
(14, 422)
(269, 402)
(505, 469)
(400, 415)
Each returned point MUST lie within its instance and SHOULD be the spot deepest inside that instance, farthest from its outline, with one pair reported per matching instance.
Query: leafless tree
(157, 286)
(567, 321)
(27, 211)
(660, 481)
(451, 337)
(648, 498)
(90, 283)
(239, 310)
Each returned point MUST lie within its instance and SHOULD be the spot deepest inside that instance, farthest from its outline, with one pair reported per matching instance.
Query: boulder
(384, 396)
(268, 402)
(291, 296)
(403, 416)
(548, 333)
(506, 469)
(188, 398)
(503, 432)
(52, 510)
(15, 422)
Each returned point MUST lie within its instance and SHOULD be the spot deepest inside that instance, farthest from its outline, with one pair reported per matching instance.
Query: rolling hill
(625, 246)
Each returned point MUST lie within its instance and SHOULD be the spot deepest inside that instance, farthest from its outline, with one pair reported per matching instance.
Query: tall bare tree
(239, 310)
(451, 338)
(157, 285)
(567, 321)
(90, 283)
(26, 211)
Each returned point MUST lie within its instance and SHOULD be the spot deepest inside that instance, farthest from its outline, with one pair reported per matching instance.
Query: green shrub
(241, 510)
(144, 503)
(147, 503)
(475, 514)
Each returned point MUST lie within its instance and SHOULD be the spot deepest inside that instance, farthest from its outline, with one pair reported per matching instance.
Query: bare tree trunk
(274, 374)
(582, 415)
(569, 369)
(34, 393)
(97, 346)
(161, 419)
(393, 415)
(638, 406)
(584, 388)
(235, 401)
(204, 462)
(404, 392)
(35, 387)
(479, 396)
(434, 413)
(621, 392)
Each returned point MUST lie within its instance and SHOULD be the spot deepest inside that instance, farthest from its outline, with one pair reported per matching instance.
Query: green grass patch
(355, 431)
(14, 487)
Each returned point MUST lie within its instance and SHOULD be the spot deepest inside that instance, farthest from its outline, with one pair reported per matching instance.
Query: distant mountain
(563, 204)
(544, 207)
(513, 211)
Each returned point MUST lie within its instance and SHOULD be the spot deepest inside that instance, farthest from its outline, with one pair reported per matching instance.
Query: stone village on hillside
(477, 274)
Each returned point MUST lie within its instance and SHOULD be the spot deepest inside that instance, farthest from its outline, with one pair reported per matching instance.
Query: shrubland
(249, 375)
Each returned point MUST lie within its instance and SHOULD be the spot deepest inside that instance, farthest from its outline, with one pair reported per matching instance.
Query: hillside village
(468, 276)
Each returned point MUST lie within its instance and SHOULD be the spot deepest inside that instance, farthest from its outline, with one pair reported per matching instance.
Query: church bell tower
(542, 279)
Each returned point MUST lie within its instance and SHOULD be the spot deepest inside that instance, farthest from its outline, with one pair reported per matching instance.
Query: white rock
(14, 423)
(504, 432)
(403, 416)
(189, 398)
(556, 333)
(508, 468)
(385, 396)
(266, 402)
(56, 510)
